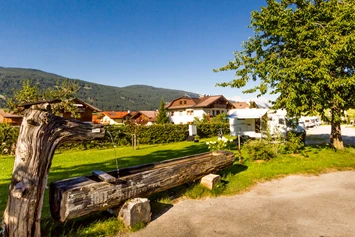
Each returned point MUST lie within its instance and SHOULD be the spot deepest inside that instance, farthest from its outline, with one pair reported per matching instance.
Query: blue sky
(172, 44)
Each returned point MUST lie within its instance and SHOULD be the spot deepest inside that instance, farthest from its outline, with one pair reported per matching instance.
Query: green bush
(259, 149)
(8, 138)
(206, 130)
(293, 143)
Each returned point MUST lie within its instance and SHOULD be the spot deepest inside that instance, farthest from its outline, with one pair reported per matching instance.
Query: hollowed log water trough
(76, 197)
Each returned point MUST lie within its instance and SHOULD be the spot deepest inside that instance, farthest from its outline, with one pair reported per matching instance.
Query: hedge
(122, 135)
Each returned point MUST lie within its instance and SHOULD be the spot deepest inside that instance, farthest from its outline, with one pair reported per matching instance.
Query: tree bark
(336, 140)
(40, 133)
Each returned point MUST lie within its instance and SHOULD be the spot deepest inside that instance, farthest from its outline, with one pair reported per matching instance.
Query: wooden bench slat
(104, 176)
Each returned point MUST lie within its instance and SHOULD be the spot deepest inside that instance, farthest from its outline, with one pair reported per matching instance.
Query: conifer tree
(162, 116)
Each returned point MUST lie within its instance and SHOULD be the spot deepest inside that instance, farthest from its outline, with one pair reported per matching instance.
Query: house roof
(93, 108)
(207, 100)
(151, 115)
(115, 114)
(203, 101)
(95, 119)
(5, 114)
(240, 105)
(247, 113)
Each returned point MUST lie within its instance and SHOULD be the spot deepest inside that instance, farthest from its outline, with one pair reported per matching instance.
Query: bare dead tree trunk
(336, 140)
(40, 133)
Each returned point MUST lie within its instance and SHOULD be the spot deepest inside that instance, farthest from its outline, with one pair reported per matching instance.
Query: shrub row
(123, 135)
(154, 134)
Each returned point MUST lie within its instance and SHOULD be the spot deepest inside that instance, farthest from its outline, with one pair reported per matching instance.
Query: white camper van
(255, 123)
(310, 121)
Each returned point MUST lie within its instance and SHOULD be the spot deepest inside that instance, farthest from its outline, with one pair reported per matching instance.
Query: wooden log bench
(72, 198)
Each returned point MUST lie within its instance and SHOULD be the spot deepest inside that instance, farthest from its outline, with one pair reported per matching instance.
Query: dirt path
(293, 206)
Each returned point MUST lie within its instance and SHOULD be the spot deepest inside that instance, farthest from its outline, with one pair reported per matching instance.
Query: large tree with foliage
(162, 116)
(303, 51)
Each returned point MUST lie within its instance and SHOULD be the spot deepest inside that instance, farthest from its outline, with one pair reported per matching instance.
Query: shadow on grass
(234, 169)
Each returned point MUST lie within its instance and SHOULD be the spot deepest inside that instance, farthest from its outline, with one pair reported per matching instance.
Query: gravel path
(293, 206)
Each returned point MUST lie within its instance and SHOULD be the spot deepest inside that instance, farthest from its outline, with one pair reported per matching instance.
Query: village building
(115, 117)
(183, 110)
(84, 111)
(145, 117)
(10, 118)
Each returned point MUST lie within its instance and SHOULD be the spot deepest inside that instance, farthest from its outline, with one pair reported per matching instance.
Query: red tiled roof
(95, 119)
(115, 114)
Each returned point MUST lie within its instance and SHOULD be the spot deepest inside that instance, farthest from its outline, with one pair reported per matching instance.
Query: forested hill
(134, 98)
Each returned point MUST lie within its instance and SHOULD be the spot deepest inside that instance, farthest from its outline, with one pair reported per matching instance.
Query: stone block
(210, 181)
(134, 211)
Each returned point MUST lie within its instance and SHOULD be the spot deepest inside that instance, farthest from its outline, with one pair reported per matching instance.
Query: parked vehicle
(310, 121)
(257, 123)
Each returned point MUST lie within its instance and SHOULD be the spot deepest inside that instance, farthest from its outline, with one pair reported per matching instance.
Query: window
(180, 102)
(184, 102)
(172, 113)
(189, 112)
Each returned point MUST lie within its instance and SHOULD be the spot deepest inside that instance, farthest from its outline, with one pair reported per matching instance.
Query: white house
(115, 117)
(183, 110)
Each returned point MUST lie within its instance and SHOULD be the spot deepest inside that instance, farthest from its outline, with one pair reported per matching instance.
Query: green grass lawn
(235, 179)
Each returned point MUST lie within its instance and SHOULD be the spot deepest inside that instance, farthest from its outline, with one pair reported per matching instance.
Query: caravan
(310, 121)
(256, 123)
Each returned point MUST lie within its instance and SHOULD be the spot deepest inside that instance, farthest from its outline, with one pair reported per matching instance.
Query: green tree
(220, 118)
(304, 52)
(162, 116)
(30, 93)
(27, 94)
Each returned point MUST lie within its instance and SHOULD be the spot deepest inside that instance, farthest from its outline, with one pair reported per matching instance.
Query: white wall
(107, 120)
(243, 127)
(181, 116)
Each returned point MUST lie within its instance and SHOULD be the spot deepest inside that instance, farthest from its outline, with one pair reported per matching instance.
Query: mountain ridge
(133, 97)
